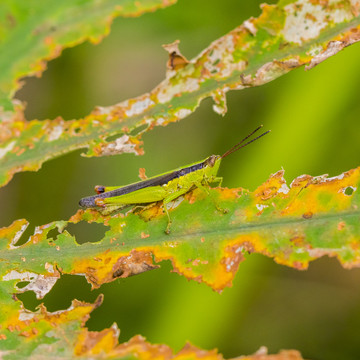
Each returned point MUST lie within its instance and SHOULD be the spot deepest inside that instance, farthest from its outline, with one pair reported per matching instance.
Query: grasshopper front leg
(208, 192)
(219, 180)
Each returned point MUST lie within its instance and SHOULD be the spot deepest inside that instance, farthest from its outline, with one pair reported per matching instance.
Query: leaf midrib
(151, 241)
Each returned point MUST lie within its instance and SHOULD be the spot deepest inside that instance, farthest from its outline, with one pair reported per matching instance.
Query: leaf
(316, 216)
(284, 37)
(62, 335)
(32, 34)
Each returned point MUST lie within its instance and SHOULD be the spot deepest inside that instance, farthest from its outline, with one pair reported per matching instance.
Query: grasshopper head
(213, 164)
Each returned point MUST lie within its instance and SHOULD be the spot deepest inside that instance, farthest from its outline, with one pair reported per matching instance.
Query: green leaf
(284, 37)
(32, 33)
(316, 216)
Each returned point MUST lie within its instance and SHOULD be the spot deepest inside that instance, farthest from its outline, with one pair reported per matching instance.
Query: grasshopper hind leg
(167, 200)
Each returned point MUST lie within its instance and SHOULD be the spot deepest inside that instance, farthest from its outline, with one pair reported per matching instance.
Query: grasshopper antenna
(237, 146)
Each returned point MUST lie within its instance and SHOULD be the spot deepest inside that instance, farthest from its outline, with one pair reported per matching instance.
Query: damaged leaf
(284, 37)
(32, 34)
(294, 225)
(62, 334)
(313, 217)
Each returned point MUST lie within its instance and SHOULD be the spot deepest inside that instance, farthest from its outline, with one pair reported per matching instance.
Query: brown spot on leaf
(233, 257)
(307, 215)
(118, 273)
(191, 196)
(267, 193)
(20, 152)
(332, 48)
(310, 17)
(299, 265)
(320, 2)
(48, 40)
(93, 280)
(138, 348)
(302, 181)
(151, 211)
(341, 225)
(190, 351)
(11, 20)
(99, 300)
(298, 241)
(246, 80)
(135, 263)
(97, 342)
(176, 59)
(271, 187)
(25, 333)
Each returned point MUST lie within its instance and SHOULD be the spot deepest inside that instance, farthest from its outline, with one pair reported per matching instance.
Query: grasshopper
(165, 187)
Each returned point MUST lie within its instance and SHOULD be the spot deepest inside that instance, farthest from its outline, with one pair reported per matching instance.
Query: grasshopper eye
(211, 160)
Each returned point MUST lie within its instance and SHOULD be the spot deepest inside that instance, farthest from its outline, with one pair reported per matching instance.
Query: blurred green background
(315, 130)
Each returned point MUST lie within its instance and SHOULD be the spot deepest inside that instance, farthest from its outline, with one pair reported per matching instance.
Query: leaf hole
(134, 132)
(22, 284)
(138, 130)
(66, 289)
(349, 190)
(53, 233)
(85, 232)
(26, 235)
(29, 300)
(112, 137)
(124, 300)
(77, 130)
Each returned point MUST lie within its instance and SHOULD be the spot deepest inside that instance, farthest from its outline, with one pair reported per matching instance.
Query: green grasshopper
(165, 187)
